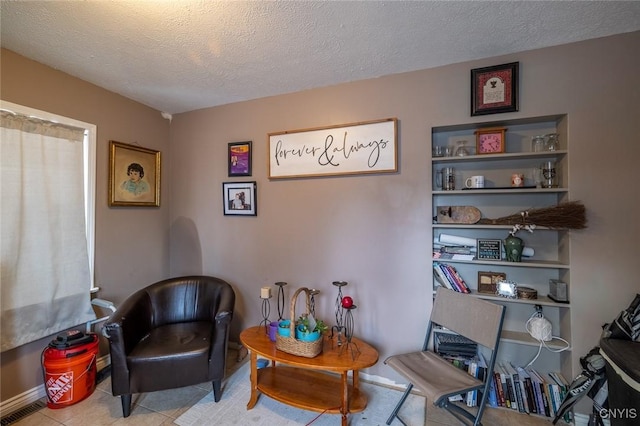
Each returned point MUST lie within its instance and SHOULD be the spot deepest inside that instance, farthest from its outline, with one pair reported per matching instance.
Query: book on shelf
(541, 394)
(515, 381)
(528, 388)
(513, 401)
(454, 344)
(503, 384)
(447, 276)
(499, 389)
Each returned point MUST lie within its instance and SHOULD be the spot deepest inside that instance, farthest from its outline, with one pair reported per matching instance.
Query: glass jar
(537, 144)
(461, 150)
(551, 142)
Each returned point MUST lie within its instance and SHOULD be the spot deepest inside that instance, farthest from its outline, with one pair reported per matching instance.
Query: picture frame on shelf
(494, 89)
(489, 249)
(134, 176)
(491, 140)
(239, 198)
(239, 159)
(488, 281)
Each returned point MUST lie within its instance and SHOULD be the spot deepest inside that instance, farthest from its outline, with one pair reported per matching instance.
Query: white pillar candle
(265, 293)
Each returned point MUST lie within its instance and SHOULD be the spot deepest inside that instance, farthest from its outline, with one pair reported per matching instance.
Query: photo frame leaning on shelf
(494, 89)
(488, 281)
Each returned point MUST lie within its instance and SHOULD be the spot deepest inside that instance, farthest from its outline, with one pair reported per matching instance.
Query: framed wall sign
(134, 175)
(489, 249)
(239, 158)
(356, 148)
(494, 89)
(239, 198)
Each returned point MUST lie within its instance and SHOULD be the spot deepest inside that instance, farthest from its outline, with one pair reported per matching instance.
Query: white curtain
(44, 276)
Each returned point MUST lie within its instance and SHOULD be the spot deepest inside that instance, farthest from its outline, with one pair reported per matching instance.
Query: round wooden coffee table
(305, 382)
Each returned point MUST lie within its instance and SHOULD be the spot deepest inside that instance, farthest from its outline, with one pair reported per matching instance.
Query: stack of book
(453, 345)
(447, 276)
(528, 391)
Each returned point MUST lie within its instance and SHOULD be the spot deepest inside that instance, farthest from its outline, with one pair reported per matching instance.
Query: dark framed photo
(239, 198)
(488, 281)
(494, 89)
(134, 176)
(489, 250)
(239, 158)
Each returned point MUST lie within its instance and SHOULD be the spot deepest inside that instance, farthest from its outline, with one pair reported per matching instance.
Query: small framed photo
(494, 89)
(134, 176)
(489, 250)
(239, 158)
(488, 281)
(490, 141)
(239, 198)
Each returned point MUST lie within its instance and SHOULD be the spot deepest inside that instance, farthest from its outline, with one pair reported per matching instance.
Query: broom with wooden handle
(567, 215)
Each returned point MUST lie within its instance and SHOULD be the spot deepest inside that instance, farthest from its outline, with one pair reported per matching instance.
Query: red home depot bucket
(69, 367)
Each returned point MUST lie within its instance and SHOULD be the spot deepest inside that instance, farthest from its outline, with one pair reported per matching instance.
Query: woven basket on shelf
(292, 345)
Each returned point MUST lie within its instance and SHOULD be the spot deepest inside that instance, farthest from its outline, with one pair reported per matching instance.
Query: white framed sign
(356, 148)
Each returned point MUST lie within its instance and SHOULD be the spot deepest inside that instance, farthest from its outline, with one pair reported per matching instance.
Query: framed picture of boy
(134, 175)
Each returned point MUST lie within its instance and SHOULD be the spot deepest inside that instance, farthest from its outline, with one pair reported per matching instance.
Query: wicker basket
(292, 345)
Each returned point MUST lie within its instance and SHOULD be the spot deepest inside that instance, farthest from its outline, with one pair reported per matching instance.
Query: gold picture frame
(134, 176)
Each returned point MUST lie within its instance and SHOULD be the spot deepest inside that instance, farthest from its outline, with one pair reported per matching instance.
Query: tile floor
(162, 408)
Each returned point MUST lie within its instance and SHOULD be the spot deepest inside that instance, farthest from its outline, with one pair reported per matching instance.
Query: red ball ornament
(347, 302)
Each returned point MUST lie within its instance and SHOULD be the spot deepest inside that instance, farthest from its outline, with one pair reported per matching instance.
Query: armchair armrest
(125, 328)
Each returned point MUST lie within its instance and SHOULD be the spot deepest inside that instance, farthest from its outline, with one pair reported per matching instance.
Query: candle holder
(348, 333)
(281, 305)
(312, 301)
(339, 312)
(265, 296)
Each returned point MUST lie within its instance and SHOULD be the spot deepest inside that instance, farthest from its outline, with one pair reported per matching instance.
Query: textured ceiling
(179, 56)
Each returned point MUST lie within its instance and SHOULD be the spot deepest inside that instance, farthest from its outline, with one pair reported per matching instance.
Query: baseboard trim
(24, 399)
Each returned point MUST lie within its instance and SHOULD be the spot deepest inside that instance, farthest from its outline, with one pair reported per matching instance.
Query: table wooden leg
(356, 380)
(254, 381)
(344, 409)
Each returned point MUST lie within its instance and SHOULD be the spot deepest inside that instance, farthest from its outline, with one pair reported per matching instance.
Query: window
(48, 167)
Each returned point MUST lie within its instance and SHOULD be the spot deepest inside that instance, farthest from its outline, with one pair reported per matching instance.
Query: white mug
(474, 182)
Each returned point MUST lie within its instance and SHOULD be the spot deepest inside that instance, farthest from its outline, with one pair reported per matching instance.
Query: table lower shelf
(308, 389)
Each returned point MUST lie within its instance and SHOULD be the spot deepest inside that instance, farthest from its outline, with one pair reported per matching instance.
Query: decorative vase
(283, 328)
(513, 247)
(307, 336)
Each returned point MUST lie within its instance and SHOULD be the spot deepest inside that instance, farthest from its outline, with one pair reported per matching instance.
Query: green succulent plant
(303, 325)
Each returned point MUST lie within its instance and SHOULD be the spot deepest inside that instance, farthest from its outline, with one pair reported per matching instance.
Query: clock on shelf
(490, 141)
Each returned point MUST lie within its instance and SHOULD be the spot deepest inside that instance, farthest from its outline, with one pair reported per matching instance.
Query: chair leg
(394, 413)
(217, 393)
(125, 399)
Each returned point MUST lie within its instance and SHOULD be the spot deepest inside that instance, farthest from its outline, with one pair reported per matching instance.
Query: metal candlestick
(280, 299)
(266, 310)
(339, 312)
(312, 301)
(348, 326)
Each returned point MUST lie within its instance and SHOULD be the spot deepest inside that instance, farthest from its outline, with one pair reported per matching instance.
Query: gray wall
(374, 231)
(132, 244)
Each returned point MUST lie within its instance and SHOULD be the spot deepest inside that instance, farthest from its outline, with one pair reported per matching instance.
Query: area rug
(232, 408)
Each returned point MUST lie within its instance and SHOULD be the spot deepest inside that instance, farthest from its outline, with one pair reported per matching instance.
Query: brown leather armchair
(171, 334)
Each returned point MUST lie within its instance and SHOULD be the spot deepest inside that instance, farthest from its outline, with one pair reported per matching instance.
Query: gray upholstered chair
(171, 334)
(438, 379)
